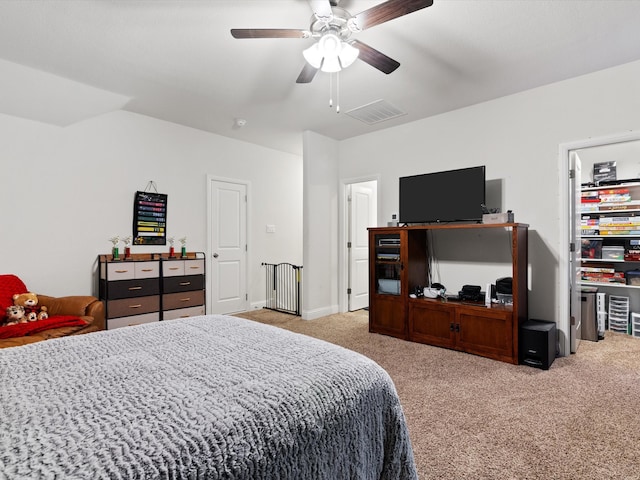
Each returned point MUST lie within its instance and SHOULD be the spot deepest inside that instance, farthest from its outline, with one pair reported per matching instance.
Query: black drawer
(132, 288)
(182, 284)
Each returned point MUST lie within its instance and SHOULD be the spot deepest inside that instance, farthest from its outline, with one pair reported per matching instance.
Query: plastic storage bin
(619, 314)
(602, 324)
(633, 277)
(612, 253)
(601, 309)
(635, 325)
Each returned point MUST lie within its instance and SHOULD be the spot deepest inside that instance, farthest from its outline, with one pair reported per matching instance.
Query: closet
(607, 240)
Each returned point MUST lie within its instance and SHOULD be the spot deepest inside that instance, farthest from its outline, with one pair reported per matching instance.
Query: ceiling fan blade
(387, 11)
(321, 9)
(268, 33)
(307, 74)
(375, 58)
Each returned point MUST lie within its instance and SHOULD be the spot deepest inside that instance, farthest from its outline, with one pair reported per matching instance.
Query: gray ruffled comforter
(211, 397)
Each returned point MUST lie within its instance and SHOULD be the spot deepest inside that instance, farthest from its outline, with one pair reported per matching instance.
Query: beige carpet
(475, 418)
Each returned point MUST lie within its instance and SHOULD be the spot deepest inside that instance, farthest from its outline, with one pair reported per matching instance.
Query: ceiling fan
(333, 26)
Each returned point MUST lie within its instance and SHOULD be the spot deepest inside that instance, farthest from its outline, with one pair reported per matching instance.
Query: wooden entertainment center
(398, 263)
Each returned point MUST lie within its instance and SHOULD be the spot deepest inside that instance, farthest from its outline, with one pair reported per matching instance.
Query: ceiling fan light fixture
(348, 54)
(331, 65)
(313, 56)
(330, 45)
(330, 54)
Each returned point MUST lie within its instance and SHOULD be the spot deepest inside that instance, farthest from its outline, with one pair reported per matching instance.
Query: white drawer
(132, 320)
(129, 270)
(183, 313)
(147, 269)
(173, 268)
(176, 268)
(121, 271)
(194, 267)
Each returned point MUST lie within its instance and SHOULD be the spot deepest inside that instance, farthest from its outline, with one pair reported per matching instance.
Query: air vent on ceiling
(375, 112)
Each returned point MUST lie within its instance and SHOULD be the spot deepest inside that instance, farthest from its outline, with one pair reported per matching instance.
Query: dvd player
(388, 256)
(388, 242)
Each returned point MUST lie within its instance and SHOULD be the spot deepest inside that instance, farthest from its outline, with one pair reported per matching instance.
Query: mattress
(213, 397)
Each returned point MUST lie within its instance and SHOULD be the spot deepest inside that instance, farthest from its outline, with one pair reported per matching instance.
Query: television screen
(449, 196)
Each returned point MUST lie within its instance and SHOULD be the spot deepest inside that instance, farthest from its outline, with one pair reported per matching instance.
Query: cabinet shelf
(610, 209)
(612, 285)
(481, 305)
(610, 236)
(604, 260)
(610, 187)
(606, 211)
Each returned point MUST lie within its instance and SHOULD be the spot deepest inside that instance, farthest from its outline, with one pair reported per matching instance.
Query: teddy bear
(29, 301)
(15, 315)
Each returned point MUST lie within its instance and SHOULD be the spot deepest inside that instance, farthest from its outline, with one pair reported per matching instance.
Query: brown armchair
(89, 308)
(82, 306)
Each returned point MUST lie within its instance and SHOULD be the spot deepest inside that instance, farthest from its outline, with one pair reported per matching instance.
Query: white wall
(517, 138)
(66, 191)
(320, 273)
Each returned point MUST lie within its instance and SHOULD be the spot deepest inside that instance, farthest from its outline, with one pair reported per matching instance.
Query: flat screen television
(449, 196)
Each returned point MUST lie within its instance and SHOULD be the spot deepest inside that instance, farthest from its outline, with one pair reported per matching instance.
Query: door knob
(215, 255)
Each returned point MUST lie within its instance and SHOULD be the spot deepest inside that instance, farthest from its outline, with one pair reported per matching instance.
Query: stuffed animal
(15, 315)
(29, 301)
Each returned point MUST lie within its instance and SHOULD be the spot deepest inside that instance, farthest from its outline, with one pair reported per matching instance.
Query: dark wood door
(486, 331)
(432, 322)
(388, 283)
(388, 315)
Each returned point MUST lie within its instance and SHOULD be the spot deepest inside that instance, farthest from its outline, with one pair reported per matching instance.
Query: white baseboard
(257, 305)
(319, 312)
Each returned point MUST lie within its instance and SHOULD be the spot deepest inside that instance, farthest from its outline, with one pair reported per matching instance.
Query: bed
(208, 397)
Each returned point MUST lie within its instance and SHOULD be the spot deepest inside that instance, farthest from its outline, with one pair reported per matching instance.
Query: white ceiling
(176, 60)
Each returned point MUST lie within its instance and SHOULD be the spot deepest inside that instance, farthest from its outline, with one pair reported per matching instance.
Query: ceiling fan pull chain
(331, 90)
(337, 92)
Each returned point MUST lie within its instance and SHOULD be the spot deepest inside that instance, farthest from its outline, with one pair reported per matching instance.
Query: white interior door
(228, 246)
(575, 302)
(362, 214)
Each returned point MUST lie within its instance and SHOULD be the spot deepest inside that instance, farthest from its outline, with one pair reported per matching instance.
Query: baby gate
(283, 287)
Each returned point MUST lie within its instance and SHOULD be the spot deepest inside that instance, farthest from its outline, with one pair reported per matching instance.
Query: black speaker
(504, 285)
(537, 345)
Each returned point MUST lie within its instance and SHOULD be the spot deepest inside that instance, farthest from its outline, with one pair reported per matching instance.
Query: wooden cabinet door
(486, 331)
(387, 315)
(387, 282)
(432, 322)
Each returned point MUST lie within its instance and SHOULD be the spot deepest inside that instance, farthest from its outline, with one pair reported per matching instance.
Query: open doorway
(624, 149)
(360, 201)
